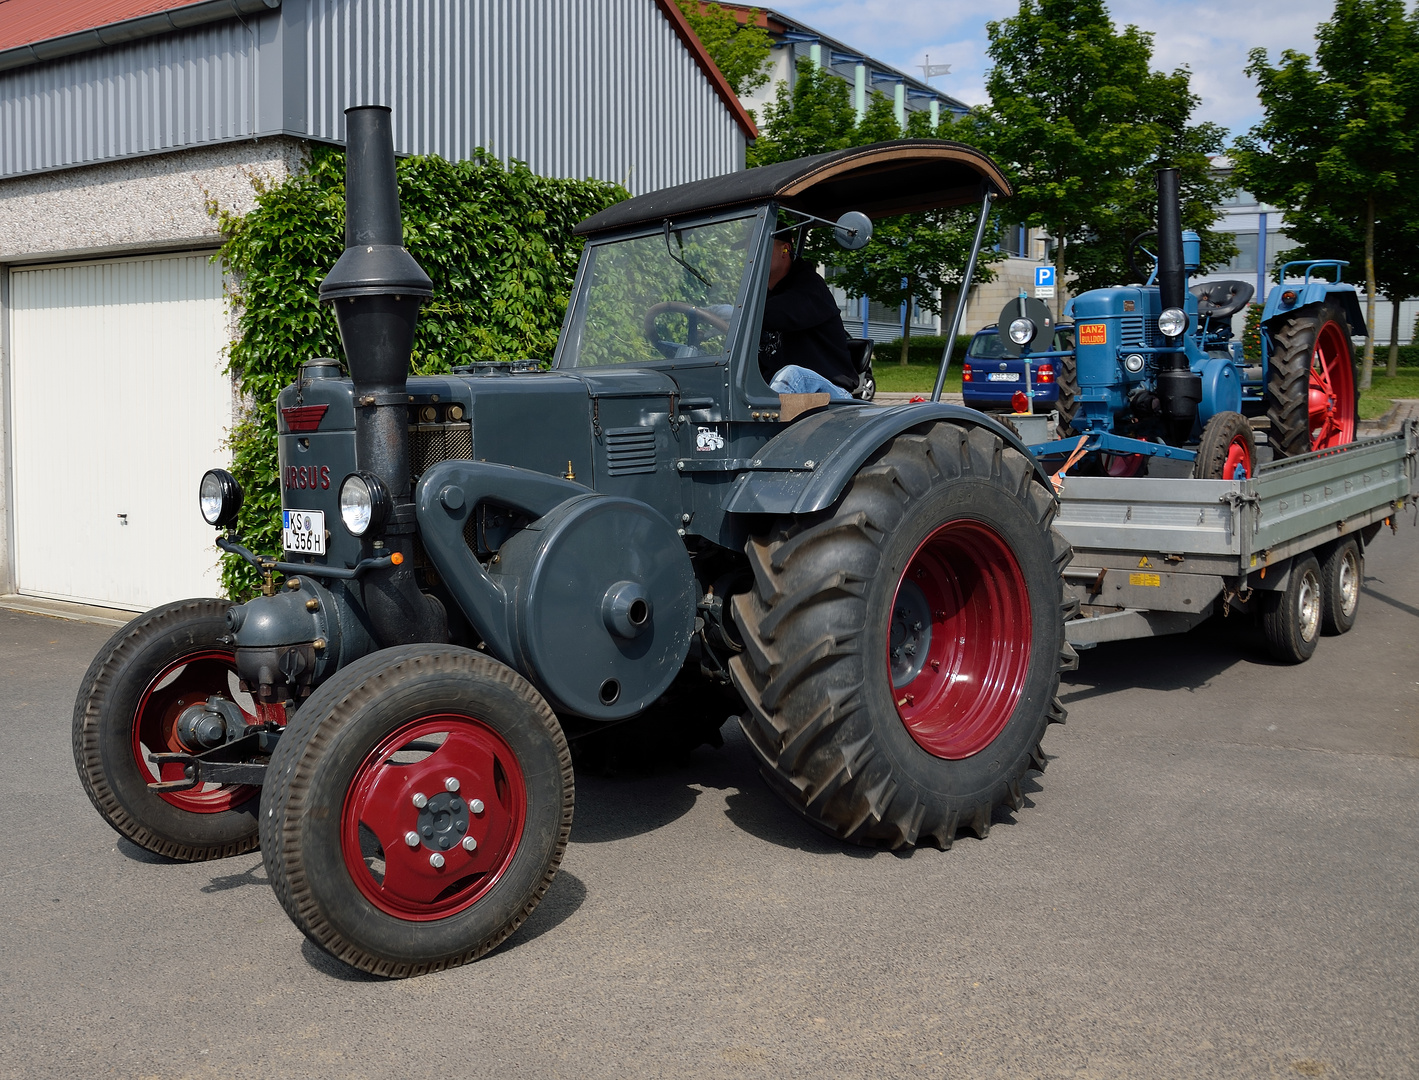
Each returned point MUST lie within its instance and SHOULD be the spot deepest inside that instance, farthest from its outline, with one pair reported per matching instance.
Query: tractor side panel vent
(630, 450)
(431, 443)
(1130, 331)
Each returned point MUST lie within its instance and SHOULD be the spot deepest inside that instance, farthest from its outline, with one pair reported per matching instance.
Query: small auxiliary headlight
(1021, 331)
(219, 496)
(1172, 322)
(364, 502)
(1133, 362)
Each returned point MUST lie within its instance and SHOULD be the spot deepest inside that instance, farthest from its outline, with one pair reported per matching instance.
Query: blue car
(990, 381)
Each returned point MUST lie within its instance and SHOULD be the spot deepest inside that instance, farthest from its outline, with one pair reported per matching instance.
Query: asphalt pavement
(1216, 876)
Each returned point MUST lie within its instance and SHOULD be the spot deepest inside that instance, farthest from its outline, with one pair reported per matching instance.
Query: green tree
(913, 258)
(495, 239)
(1336, 148)
(738, 49)
(1079, 119)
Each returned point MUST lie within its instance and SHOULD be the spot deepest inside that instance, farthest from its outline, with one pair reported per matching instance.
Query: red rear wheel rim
(1331, 398)
(958, 646)
(380, 816)
(189, 680)
(1238, 457)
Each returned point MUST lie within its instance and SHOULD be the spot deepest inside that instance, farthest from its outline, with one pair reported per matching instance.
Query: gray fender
(806, 467)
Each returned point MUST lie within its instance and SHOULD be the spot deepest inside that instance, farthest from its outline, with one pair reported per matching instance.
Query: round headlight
(364, 502)
(1021, 331)
(219, 495)
(1133, 362)
(1172, 322)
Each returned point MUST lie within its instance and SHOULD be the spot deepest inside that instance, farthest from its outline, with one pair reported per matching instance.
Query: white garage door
(119, 405)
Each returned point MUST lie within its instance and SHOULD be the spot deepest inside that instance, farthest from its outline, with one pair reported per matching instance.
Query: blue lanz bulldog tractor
(1160, 375)
(482, 565)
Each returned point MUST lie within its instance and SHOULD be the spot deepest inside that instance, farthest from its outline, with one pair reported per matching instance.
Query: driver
(803, 346)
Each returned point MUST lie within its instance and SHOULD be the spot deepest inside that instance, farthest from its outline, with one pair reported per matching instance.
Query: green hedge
(496, 240)
(920, 350)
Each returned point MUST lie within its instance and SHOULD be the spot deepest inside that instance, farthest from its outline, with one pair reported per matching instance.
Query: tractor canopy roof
(880, 180)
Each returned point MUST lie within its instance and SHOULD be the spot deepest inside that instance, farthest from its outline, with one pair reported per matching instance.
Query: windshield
(667, 296)
(988, 346)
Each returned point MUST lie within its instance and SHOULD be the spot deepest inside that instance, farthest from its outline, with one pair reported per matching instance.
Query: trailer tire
(126, 709)
(942, 541)
(336, 821)
(1342, 571)
(1311, 396)
(1227, 444)
(1291, 617)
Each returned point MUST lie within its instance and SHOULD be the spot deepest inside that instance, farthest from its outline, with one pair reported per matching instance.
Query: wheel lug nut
(476, 806)
(469, 844)
(421, 800)
(427, 830)
(451, 784)
(456, 805)
(443, 842)
(436, 860)
(411, 838)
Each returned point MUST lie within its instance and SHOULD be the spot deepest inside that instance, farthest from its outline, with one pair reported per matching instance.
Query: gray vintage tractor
(480, 565)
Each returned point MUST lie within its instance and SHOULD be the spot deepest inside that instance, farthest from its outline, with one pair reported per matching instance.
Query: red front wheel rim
(189, 680)
(1331, 396)
(416, 802)
(958, 647)
(1238, 463)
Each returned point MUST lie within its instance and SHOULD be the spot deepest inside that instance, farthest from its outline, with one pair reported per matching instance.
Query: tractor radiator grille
(1138, 330)
(431, 443)
(630, 450)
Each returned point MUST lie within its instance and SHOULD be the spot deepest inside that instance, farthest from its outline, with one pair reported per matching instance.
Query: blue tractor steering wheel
(1136, 245)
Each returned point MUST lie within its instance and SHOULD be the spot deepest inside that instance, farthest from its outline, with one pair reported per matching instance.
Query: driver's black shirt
(802, 325)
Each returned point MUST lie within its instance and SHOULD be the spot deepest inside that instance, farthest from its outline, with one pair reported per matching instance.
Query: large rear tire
(1311, 396)
(903, 649)
(127, 709)
(1068, 404)
(417, 809)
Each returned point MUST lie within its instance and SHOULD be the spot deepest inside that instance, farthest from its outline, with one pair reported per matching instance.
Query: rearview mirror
(853, 230)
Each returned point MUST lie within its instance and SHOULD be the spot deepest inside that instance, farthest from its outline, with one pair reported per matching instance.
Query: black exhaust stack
(1179, 389)
(376, 288)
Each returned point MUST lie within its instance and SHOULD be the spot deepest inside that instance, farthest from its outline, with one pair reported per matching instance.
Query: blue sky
(1210, 37)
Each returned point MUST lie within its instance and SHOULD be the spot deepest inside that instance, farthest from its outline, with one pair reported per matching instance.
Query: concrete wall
(143, 204)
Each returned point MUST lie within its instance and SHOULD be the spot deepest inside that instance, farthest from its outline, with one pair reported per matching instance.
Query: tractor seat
(1221, 299)
(859, 351)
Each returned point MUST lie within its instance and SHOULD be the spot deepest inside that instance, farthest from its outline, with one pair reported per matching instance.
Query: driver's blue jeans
(793, 379)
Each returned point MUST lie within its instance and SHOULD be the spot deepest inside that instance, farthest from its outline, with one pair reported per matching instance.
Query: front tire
(127, 708)
(1227, 450)
(903, 649)
(1291, 617)
(1311, 396)
(417, 809)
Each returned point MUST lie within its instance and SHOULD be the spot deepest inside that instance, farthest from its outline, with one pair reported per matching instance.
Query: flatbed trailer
(1158, 556)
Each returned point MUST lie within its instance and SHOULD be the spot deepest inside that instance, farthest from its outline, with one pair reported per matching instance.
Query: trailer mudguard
(806, 467)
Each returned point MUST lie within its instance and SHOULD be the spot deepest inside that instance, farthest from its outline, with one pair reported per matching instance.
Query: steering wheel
(693, 316)
(1136, 245)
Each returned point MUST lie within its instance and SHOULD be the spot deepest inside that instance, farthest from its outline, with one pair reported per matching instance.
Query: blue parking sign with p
(1044, 277)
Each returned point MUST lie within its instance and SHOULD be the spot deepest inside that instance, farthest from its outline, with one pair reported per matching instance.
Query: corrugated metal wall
(161, 93)
(576, 88)
(573, 88)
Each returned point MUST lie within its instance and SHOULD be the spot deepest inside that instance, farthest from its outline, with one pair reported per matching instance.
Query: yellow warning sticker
(1093, 333)
(1144, 563)
(1145, 579)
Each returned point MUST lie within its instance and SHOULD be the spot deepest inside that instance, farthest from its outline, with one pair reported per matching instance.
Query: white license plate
(303, 531)
(1004, 376)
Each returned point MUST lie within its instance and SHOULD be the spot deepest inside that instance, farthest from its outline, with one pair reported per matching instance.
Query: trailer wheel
(1227, 450)
(902, 650)
(1291, 617)
(1341, 573)
(127, 709)
(1310, 385)
(417, 809)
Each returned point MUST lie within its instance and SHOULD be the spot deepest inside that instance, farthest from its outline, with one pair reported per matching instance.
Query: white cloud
(1209, 37)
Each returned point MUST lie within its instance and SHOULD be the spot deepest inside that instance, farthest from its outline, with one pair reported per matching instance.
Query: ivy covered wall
(495, 239)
